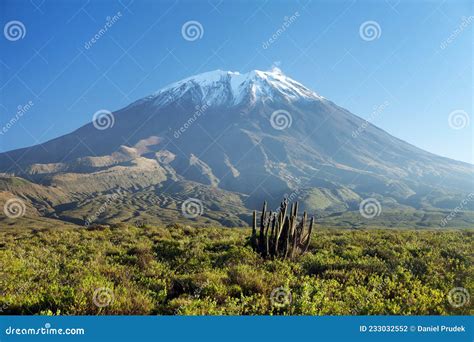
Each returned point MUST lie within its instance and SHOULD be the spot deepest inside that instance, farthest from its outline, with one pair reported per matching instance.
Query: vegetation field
(178, 270)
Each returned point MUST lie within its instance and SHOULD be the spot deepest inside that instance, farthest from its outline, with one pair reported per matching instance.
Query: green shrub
(182, 270)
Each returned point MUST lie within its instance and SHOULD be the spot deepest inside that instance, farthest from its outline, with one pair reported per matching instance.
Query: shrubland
(178, 270)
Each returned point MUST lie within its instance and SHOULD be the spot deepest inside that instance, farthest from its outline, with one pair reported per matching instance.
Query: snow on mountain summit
(232, 88)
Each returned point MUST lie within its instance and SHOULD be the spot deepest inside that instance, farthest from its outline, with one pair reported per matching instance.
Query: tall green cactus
(280, 235)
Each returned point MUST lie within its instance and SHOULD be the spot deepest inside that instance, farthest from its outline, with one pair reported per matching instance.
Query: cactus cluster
(281, 235)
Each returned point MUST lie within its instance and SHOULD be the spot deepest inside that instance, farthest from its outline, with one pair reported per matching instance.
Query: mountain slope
(260, 135)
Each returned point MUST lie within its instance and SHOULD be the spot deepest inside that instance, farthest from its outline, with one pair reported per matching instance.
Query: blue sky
(420, 64)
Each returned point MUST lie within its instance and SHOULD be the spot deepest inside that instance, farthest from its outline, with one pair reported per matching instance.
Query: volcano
(227, 141)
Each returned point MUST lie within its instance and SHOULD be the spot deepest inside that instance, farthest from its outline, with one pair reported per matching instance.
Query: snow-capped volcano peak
(226, 87)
